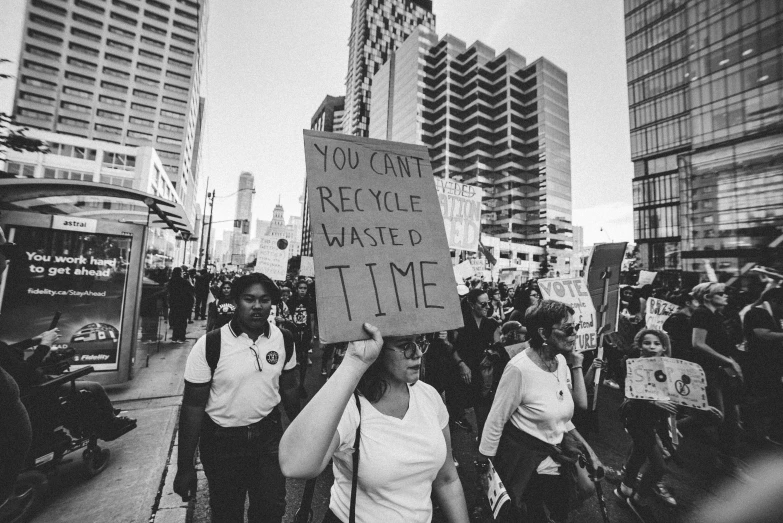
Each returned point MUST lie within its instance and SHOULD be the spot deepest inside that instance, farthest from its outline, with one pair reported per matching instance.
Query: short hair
(474, 294)
(545, 315)
(302, 282)
(244, 282)
(706, 289)
(774, 294)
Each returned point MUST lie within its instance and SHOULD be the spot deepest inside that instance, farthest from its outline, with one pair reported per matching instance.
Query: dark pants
(178, 318)
(302, 340)
(243, 461)
(201, 307)
(722, 395)
(645, 448)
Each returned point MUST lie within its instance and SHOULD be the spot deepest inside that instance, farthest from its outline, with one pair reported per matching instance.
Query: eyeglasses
(483, 304)
(720, 294)
(409, 349)
(569, 328)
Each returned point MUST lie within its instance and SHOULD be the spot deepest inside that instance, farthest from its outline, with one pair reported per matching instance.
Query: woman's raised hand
(366, 351)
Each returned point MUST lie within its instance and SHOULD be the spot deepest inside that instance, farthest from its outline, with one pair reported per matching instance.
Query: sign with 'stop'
(379, 245)
(574, 293)
(460, 205)
(661, 379)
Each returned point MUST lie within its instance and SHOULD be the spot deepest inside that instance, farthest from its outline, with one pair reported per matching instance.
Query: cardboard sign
(603, 256)
(463, 271)
(646, 277)
(379, 244)
(272, 260)
(657, 312)
(460, 205)
(664, 379)
(306, 267)
(573, 292)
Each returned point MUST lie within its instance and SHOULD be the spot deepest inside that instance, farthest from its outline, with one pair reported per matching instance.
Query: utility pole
(211, 197)
(201, 232)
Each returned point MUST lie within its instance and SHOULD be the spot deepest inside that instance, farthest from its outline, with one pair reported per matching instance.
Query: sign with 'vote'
(574, 293)
(379, 243)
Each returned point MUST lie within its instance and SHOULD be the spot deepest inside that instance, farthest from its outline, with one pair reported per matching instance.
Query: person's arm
(579, 390)
(289, 392)
(699, 341)
(448, 488)
(462, 367)
(593, 456)
(43, 348)
(768, 335)
(590, 374)
(191, 415)
(311, 438)
(507, 398)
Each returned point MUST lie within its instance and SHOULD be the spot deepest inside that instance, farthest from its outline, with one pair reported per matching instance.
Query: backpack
(213, 347)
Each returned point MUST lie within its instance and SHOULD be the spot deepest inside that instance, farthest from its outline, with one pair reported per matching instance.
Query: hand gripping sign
(574, 293)
(379, 244)
(664, 379)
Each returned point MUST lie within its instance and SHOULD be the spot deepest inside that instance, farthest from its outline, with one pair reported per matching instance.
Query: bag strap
(213, 350)
(355, 479)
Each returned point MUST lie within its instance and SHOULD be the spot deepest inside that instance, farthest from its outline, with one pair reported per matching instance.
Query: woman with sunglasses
(405, 444)
(531, 414)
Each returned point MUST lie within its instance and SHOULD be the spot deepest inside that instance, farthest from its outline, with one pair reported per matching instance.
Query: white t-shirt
(239, 394)
(537, 402)
(398, 459)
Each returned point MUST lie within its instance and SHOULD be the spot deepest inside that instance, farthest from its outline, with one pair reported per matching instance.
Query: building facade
(243, 215)
(279, 229)
(378, 27)
(126, 73)
(705, 91)
(329, 116)
(491, 121)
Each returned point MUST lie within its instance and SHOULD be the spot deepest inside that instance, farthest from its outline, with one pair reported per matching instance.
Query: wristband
(577, 367)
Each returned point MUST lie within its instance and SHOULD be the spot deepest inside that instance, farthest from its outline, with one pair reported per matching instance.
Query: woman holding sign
(390, 442)
(529, 427)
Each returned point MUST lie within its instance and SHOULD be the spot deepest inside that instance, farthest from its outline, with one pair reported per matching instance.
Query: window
(174, 101)
(172, 114)
(152, 42)
(177, 76)
(143, 108)
(41, 68)
(117, 180)
(153, 56)
(159, 5)
(167, 154)
(30, 113)
(73, 122)
(168, 127)
(45, 53)
(119, 161)
(109, 114)
(82, 49)
(79, 78)
(90, 7)
(145, 94)
(151, 28)
(20, 170)
(175, 36)
(77, 92)
(29, 80)
(148, 68)
(185, 27)
(111, 101)
(119, 45)
(169, 141)
(46, 6)
(185, 14)
(117, 59)
(141, 136)
(44, 100)
(44, 37)
(82, 153)
(48, 22)
(115, 72)
(179, 63)
(114, 87)
(141, 121)
(64, 174)
(175, 89)
(75, 31)
(124, 19)
(75, 107)
(107, 129)
(179, 50)
(146, 81)
(82, 64)
(87, 20)
(122, 32)
(156, 17)
(125, 5)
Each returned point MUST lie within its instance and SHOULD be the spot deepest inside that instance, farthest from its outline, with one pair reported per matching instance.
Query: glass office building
(706, 108)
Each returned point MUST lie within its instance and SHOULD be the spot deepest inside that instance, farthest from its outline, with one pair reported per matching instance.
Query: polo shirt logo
(272, 357)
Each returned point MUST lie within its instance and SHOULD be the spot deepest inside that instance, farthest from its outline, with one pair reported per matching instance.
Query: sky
(270, 63)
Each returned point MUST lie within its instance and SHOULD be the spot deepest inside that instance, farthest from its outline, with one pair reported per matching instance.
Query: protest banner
(379, 244)
(306, 267)
(657, 312)
(460, 205)
(663, 379)
(573, 292)
(271, 259)
(646, 278)
(478, 265)
(463, 271)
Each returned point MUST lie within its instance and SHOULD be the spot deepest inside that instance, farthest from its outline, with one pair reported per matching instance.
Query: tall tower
(127, 73)
(244, 213)
(378, 27)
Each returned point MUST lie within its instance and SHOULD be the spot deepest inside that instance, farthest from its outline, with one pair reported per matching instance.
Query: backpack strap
(213, 349)
(288, 341)
(355, 475)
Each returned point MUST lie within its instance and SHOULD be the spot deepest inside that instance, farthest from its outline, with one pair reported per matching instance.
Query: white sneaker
(663, 494)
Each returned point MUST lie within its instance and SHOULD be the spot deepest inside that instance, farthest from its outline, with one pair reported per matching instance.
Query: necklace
(559, 394)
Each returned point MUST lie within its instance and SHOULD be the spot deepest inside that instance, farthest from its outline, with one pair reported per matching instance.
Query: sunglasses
(411, 348)
(483, 304)
(258, 361)
(569, 328)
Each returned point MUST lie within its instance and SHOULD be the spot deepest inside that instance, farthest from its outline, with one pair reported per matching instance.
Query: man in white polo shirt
(239, 392)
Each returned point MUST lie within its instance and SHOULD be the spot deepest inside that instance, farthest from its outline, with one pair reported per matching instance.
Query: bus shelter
(81, 250)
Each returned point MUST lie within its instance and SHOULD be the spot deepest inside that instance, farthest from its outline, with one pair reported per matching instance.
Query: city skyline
(270, 95)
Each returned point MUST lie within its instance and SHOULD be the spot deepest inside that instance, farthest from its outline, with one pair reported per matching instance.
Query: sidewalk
(129, 490)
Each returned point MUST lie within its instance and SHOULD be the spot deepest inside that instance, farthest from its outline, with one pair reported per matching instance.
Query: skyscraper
(329, 115)
(242, 217)
(491, 121)
(378, 27)
(124, 72)
(706, 108)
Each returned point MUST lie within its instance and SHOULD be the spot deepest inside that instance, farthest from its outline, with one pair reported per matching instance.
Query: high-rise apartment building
(329, 116)
(705, 90)
(242, 217)
(378, 27)
(492, 121)
(121, 71)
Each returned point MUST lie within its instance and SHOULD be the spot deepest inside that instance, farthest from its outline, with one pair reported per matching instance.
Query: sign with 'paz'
(574, 293)
(379, 245)
(664, 379)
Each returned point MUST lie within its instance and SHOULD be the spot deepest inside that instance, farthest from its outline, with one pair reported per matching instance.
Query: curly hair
(661, 335)
(545, 315)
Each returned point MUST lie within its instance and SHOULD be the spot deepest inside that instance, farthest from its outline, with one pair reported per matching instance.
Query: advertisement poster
(460, 205)
(380, 249)
(82, 275)
(658, 311)
(664, 378)
(573, 292)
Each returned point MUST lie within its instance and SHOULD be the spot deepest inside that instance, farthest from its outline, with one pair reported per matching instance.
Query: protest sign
(463, 271)
(478, 265)
(657, 312)
(306, 267)
(664, 379)
(646, 277)
(379, 244)
(573, 292)
(460, 205)
(606, 256)
(271, 259)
